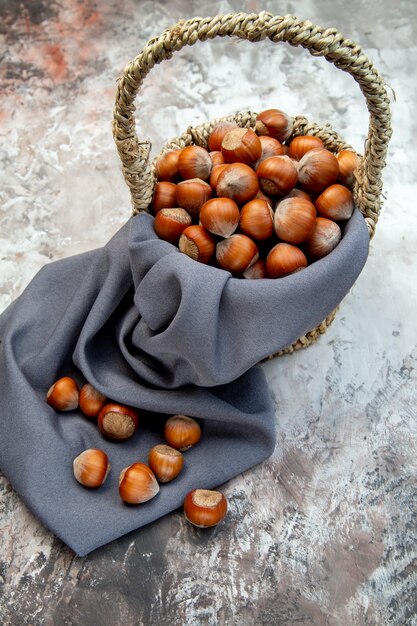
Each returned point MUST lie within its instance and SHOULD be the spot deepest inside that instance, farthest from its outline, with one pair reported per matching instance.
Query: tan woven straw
(138, 170)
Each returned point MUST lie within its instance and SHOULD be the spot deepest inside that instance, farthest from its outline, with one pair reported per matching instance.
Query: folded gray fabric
(150, 328)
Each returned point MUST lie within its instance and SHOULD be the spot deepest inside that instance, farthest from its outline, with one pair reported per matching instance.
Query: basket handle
(327, 42)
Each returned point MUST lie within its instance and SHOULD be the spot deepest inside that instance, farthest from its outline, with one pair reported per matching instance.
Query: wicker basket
(138, 170)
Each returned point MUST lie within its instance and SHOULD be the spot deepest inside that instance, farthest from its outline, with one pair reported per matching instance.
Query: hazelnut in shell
(256, 220)
(205, 508)
(166, 166)
(91, 467)
(277, 175)
(182, 432)
(217, 134)
(294, 220)
(63, 395)
(317, 169)
(335, 203)
(270, 147)
(284, 259)
(91, 401)
(220, 216)
(324, 238)
(217, 158)
(194, 162)
(300, 145)
(137, 484)
(349, 162)
(236, 253)
(164, 196)
(191, 194)
(117, 421)
(197, 243)
(275, 123)
(170, 223)
(241, 145)
(256, 270)
(238, 182)
(165, 462)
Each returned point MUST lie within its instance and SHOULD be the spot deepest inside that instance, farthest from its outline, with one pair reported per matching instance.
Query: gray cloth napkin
(151, 328)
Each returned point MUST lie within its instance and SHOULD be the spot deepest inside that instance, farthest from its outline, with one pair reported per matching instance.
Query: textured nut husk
(118, 425)
(117, 421)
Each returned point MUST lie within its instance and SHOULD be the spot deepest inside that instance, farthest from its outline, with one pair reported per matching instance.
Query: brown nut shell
(257, 220)
(275, 123)
(349, 162)
(284, 259)
(294, 220)
(236, 253)
(63, 395)
(317, 169)
(182, 432)
(137, 484)
(241, 145)
(277, 175)
(256, 270)
(117, 421)
(335, 203)
(217, 134)
(166, 166)
(166, 462)
(238, 182)
(169, 224)
(270, 147)
(194, 162)
(205, 508)
(220, 216)
(164, 196)
(91, 467)
(324, 238)
(91, 401)
(197, 243)
(217, 158)
(191, 194)
(302, 144)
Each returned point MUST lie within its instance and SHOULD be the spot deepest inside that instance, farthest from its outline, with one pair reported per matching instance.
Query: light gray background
(324, 532)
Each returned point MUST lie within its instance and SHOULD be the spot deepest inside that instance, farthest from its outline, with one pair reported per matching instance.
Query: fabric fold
(150, 328)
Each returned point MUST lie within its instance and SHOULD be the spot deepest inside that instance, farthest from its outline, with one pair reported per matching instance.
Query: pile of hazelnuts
(139, 482)
(255, 202)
